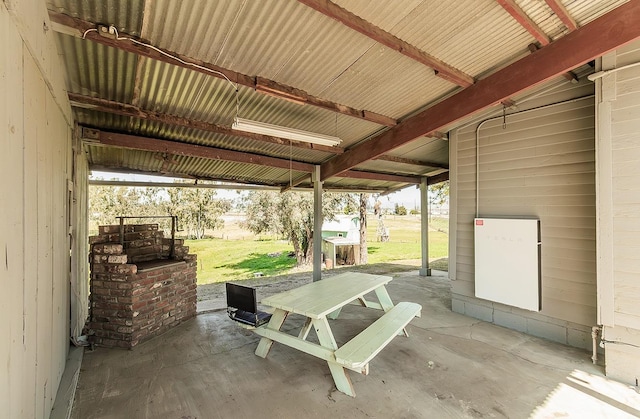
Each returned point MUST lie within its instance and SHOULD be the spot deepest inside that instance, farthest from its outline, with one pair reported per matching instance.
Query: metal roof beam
(525, 21)
(562, 13)
(358, 24)
(602, 35)
(117, 108)
(66, 24)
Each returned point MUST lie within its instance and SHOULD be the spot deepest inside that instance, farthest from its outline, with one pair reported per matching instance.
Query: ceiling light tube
(284, 132)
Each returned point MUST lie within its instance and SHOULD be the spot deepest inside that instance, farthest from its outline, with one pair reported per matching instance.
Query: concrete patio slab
(450, 366)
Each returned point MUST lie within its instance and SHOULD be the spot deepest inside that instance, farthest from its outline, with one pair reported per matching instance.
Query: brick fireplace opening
(142, 284)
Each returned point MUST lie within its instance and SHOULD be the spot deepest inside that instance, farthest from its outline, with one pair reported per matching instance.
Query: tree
(197, 209)
(439, 193)
(400, 210)
(363, 228)
(108, 202)
(289, 215)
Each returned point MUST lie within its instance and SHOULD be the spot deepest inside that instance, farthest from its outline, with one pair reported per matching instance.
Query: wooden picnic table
(323, 300)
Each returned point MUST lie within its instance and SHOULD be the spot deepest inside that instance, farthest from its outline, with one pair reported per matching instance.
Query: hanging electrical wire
(114, 31)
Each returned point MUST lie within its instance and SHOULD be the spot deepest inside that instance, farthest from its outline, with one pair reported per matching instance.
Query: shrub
(400, 210)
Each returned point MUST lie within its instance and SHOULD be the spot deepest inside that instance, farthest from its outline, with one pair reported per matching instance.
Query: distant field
(234, 253)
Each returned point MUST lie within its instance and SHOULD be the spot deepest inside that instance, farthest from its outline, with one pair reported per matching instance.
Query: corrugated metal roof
(584, 11)
(543, 16)
(98, 71)
(109, 122)
(126, 15)
(147, 162)
(294, 45)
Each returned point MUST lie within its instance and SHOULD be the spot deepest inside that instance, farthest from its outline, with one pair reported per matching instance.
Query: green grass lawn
(231, 260)
(390, 251)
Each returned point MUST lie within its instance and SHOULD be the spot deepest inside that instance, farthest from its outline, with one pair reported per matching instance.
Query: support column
(424, 227)
(317, 224)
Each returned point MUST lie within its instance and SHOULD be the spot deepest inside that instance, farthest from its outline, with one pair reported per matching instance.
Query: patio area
(450, 366)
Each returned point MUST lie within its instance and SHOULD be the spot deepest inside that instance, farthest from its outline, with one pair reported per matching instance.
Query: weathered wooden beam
(387, 177)
(173, 148)
(156, 145)
(562, 13)
(432, 180)
(124, 109)
(387, 157)
(219, 178)
(569, 75)
(355, 22)
(524, 20)
(68, 24)
(600, 36)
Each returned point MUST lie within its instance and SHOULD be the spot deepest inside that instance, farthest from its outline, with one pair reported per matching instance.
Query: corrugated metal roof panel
(181, 92)
(384, 14)
(292, 44)
(142, 161)
(98, 71)
(544, 17)
(389, 83)
(126, 15)
(109, 122)
(424, 149)
(474, 36)
(178, 91)
(584, 11)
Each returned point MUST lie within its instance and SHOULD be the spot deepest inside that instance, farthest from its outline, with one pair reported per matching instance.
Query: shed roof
(158, 94)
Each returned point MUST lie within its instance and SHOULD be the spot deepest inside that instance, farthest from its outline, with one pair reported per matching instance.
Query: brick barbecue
(142, 284)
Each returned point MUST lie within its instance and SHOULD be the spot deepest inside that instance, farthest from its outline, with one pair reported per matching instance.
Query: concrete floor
(451, 366)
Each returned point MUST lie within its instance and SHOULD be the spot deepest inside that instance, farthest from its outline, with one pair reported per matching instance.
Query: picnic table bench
(323, 300)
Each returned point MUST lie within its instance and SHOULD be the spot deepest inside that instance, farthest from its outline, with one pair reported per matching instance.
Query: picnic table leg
(339, 374)
(304, 332)
(277, 319)
(341, 379)
(384, 298)
(387, 304)
(334, 314)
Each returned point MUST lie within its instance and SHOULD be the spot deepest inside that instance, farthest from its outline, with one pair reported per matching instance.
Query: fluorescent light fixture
(284, 132)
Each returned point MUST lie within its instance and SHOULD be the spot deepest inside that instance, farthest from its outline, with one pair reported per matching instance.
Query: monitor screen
(241, 297)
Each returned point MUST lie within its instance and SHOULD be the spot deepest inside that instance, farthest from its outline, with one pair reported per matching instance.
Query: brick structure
(137, 290)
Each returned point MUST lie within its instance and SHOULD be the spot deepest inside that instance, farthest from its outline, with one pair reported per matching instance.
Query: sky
(408, 197)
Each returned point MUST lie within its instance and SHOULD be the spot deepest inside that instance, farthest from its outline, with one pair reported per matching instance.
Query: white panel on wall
(507, 261)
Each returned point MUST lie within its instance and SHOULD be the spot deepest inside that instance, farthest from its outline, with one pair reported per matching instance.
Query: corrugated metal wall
(34, 213)
(619, 213)
(541, 164)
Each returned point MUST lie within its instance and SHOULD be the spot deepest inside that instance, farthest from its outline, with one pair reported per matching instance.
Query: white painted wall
(541, 165)
(35, 167)
(618, 151)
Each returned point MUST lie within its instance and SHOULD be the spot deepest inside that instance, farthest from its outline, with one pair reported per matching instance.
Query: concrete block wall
(130, 304)
(535, 324)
